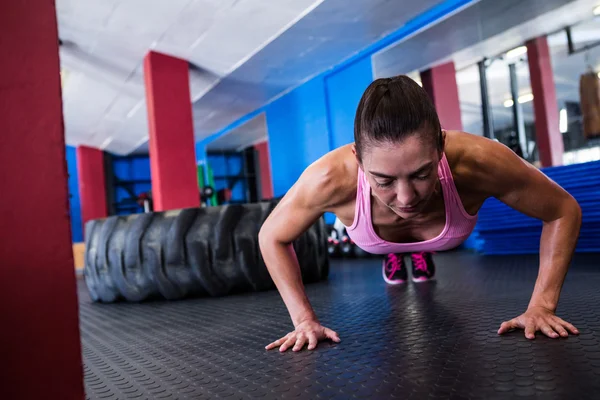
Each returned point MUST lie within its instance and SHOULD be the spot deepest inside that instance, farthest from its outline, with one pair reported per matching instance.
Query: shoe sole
(419, 280)
(390, 282)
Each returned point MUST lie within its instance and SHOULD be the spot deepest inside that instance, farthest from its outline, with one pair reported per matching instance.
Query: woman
(406, 185)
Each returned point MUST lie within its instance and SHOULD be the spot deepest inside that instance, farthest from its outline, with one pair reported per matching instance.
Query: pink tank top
(459, 224)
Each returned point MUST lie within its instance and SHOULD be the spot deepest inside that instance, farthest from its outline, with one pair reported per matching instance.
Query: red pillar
(264, 163)
(92, 183)
(41, 347)
(440, 83)
(172, 146)
(547, 131)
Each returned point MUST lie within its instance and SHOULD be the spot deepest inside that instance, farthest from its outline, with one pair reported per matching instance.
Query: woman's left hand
(539, 319)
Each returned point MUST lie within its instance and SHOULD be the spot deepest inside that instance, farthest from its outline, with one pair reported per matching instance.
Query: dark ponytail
(391, 109)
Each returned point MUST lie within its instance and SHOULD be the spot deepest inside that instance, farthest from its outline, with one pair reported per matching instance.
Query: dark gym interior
(144, 144)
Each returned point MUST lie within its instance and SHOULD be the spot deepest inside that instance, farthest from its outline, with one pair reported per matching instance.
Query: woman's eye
(384, 184)
(422, 177)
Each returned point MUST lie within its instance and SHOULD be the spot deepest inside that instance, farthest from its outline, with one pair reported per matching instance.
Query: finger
(560, 329)
(507, 326)
(288, 343)
(300, 342)
(332, 335)
(312, 340)
(548, 331)
(275, 343)
(568, 325)
(530, 331)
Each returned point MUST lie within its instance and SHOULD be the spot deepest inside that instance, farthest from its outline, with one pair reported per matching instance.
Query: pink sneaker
(423, 268)
(393, 269)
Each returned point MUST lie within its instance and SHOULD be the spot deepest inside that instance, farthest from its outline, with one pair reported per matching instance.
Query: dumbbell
(346, 246)
(333, 243)
(207, 192)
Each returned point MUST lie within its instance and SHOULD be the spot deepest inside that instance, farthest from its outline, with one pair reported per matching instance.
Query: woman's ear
(355, 152)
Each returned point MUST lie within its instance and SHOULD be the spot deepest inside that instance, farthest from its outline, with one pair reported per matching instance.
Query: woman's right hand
(310, 332)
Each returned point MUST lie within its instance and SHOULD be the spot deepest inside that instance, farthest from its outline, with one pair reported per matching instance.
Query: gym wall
(74, 200)
(131, 178)
(344, 89)
(225, 167)
(298, 133)
(313, 119)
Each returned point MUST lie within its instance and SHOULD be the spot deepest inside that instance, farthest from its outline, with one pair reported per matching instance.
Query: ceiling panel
(85, 116)
(248, 134)
(332, 32)
(144, 18)
(104, 42)
(486, 29)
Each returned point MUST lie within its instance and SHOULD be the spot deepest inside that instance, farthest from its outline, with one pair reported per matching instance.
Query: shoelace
(395, 262)
(420, 262)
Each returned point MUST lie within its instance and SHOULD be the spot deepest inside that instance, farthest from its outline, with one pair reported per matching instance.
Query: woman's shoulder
(469, 150)
(476, 161)
(331, 179)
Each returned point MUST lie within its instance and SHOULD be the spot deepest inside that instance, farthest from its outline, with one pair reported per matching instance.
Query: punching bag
(589, 92)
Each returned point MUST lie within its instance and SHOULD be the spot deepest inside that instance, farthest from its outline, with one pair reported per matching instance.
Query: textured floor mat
(426, 340)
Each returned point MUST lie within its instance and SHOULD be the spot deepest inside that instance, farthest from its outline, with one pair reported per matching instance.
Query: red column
(547, 131)
(440, 83)
(264, 163)
(92, 184)
(41, 347)
(172, 146)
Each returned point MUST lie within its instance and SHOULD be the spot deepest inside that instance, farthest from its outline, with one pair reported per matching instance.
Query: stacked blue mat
(502, 230)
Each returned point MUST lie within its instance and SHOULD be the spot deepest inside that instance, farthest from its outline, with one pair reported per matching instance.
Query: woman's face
(402, 175)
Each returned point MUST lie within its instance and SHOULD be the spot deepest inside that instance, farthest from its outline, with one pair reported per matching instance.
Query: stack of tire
(208, 251)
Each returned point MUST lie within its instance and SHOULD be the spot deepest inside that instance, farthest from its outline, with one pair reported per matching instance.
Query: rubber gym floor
(420, 340)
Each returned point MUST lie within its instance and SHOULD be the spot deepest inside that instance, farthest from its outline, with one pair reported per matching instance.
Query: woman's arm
(518, 184)
(305, 202)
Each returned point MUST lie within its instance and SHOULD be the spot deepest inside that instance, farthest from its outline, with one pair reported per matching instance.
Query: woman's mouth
(407, 210)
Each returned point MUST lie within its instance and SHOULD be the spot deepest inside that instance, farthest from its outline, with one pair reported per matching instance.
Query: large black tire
(247, 249)
(192, 252)
(200, 254)
(225, 264)
(136, 283)
(90, 274)
(322, 248)
(155, 244)
(107, 290)
(152, 251)
(116, 253)
(177, 266)
(305, 255)
(171, 242)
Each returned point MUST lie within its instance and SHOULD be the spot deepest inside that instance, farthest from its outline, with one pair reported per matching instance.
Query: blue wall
(131, 174)
(74, 201)
(222, 165)
(344, 88)
(298, 133)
